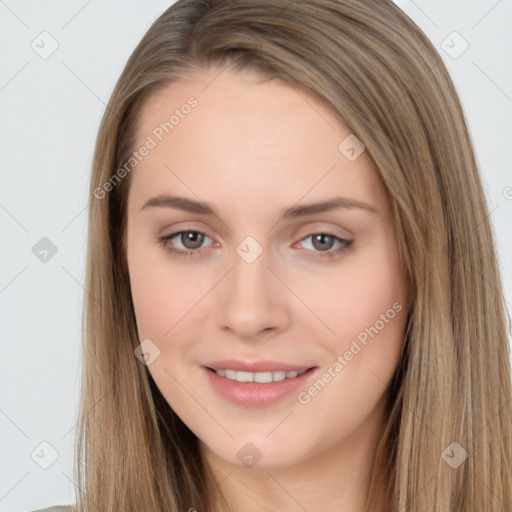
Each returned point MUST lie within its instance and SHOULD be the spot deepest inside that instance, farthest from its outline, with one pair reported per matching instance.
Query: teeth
(244, 377)
(230, 374)
(260, 377)
(263, 377)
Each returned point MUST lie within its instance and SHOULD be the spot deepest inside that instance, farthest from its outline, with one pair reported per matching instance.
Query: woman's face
(262, 284)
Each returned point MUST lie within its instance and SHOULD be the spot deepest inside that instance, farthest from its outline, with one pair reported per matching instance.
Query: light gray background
(51, 108)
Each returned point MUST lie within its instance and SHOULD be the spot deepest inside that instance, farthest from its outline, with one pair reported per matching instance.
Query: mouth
(256, 384)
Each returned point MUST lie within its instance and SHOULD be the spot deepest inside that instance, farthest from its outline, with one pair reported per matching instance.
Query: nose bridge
(250, 277)
(252, 300)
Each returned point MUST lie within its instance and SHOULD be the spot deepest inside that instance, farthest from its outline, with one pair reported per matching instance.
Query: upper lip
(255, 366)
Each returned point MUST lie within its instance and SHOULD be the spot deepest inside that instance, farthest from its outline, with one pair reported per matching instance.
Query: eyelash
(188, 253)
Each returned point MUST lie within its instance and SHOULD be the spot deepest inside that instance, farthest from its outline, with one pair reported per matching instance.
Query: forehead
(239, 105)
(245, 137)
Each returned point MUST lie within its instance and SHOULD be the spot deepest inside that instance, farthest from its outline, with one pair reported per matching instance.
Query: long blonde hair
(381, 76)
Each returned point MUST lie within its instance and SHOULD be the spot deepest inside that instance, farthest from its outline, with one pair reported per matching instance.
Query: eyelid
(175, 233)
(328, 228)
(178, 227)
(310, 232)
(313, 228)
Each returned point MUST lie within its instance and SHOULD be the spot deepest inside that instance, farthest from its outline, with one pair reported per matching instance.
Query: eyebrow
(202, 208)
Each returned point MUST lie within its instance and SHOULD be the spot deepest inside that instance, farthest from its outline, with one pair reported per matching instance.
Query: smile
(270, 384)
(259, 377)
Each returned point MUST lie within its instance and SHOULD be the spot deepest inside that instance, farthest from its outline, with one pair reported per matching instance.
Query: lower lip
(254, 394)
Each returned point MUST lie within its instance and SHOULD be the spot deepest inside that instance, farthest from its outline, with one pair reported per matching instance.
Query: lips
(256, 383)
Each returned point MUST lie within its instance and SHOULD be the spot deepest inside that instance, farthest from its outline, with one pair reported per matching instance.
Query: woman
(294, 299)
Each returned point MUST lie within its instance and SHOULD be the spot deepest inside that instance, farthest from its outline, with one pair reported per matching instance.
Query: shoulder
(59, 508)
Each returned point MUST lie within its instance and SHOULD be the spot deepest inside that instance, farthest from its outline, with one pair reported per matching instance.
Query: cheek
(368, 319)
(153, 301)
(166, 301)
(162, 292)
(370, 305)
(366, 308)
(367, 290)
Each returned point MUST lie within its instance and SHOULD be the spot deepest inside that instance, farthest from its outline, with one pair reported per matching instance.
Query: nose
(253, 301)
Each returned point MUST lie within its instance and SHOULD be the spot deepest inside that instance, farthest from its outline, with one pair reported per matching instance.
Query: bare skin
(252, 150)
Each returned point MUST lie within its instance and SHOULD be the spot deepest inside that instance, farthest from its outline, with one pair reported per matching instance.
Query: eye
(190, 241)
(323, 242)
